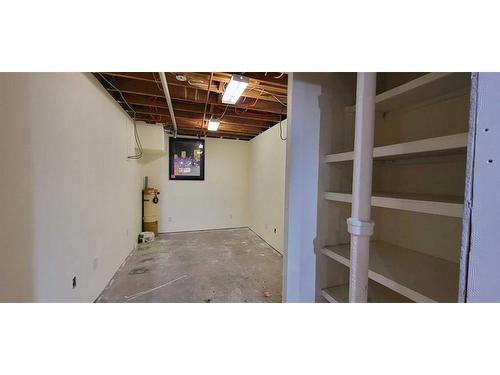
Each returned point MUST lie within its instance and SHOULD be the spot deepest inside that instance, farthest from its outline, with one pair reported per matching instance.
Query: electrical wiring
(206, 102)
(136, 134)
(265, 92)
(138, 143)
(199, 84)
(239, 113)
(220, 118)
(281, 129)
(256, 99)
(156, 81)
(275, 97)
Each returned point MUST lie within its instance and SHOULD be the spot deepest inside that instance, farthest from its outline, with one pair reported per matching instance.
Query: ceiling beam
(274, 87)
(198, 116)
(200, 82)
(195, 125)
(264, 80)
(254, 113)
(198, 108)
(190, 95)
(159, 117)
(211, 135)
(256, 79)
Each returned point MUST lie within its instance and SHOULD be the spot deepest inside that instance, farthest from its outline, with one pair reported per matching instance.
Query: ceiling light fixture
(213, 125)
(234, 89)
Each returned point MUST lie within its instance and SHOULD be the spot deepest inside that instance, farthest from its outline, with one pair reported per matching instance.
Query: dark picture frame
(186, 159)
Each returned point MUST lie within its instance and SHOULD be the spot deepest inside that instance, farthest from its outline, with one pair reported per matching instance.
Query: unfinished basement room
(239, 187)
(156, 187)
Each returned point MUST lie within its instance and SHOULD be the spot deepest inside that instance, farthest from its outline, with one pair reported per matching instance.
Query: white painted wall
(267, 185)
(220, 201)
(68, 192)
(483, 200)
(301, 199)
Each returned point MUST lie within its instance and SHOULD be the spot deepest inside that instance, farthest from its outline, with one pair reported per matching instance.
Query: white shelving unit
(427, 204)
(336, 294)
(376, 293)
(430, 113)
(424, 147)
(417, 276)
(427, 89)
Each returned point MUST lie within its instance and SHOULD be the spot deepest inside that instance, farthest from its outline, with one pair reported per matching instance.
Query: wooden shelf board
(377, 293)
(336, 294)
(431, 87)
(423, 147)
(417, 276)
(427, 204)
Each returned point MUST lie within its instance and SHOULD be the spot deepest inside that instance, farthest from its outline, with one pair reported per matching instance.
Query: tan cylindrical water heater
(150, 210)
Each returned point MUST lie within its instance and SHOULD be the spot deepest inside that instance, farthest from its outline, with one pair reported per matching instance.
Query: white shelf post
(359, 224)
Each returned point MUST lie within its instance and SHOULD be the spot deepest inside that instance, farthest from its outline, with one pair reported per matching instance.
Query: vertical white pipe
(360, 225)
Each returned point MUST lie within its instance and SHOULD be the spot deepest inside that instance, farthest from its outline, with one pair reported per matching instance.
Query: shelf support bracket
(359, 224)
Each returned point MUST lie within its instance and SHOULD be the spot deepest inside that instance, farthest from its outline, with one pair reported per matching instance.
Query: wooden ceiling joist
(194, 96)
(218, 109)
(191, 115)
(263, 104)
(255, 91)
(196, 126)
(265, 81)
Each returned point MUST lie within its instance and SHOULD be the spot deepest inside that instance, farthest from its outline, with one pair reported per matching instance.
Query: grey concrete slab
(228, 265)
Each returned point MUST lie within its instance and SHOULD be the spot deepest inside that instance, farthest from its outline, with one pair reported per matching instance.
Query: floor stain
(138, 271)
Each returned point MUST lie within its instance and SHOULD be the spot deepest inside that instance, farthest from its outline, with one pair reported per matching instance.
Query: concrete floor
(228, 265)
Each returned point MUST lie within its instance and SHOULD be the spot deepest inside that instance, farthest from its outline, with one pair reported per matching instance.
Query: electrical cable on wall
(281, 129)
(137, 141)
(136, 134)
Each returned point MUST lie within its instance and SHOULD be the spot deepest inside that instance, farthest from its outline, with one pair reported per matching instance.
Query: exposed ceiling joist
(190, 115)
(218, 109)
(193, 95)
(256, 91)
(262, 105)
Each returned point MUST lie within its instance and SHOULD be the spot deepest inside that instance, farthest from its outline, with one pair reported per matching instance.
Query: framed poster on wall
(186, 159)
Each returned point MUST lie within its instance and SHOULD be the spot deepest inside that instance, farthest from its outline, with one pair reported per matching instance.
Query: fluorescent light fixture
(213, 124)
(234, 89)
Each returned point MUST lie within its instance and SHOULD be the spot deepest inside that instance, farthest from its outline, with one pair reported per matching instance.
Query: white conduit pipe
(169, 101)
(359, 224)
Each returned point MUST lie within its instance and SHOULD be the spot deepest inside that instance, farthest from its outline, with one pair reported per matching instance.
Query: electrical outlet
(170, 219)
(74, 282)
(95, 263)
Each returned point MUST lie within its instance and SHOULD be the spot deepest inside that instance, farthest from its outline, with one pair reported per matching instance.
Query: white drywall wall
(267, 185)
(220, 201)
(301, 199)
(483, 199)
(68, 193)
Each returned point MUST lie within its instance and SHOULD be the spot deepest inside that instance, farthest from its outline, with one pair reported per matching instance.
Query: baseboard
(201, 230)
